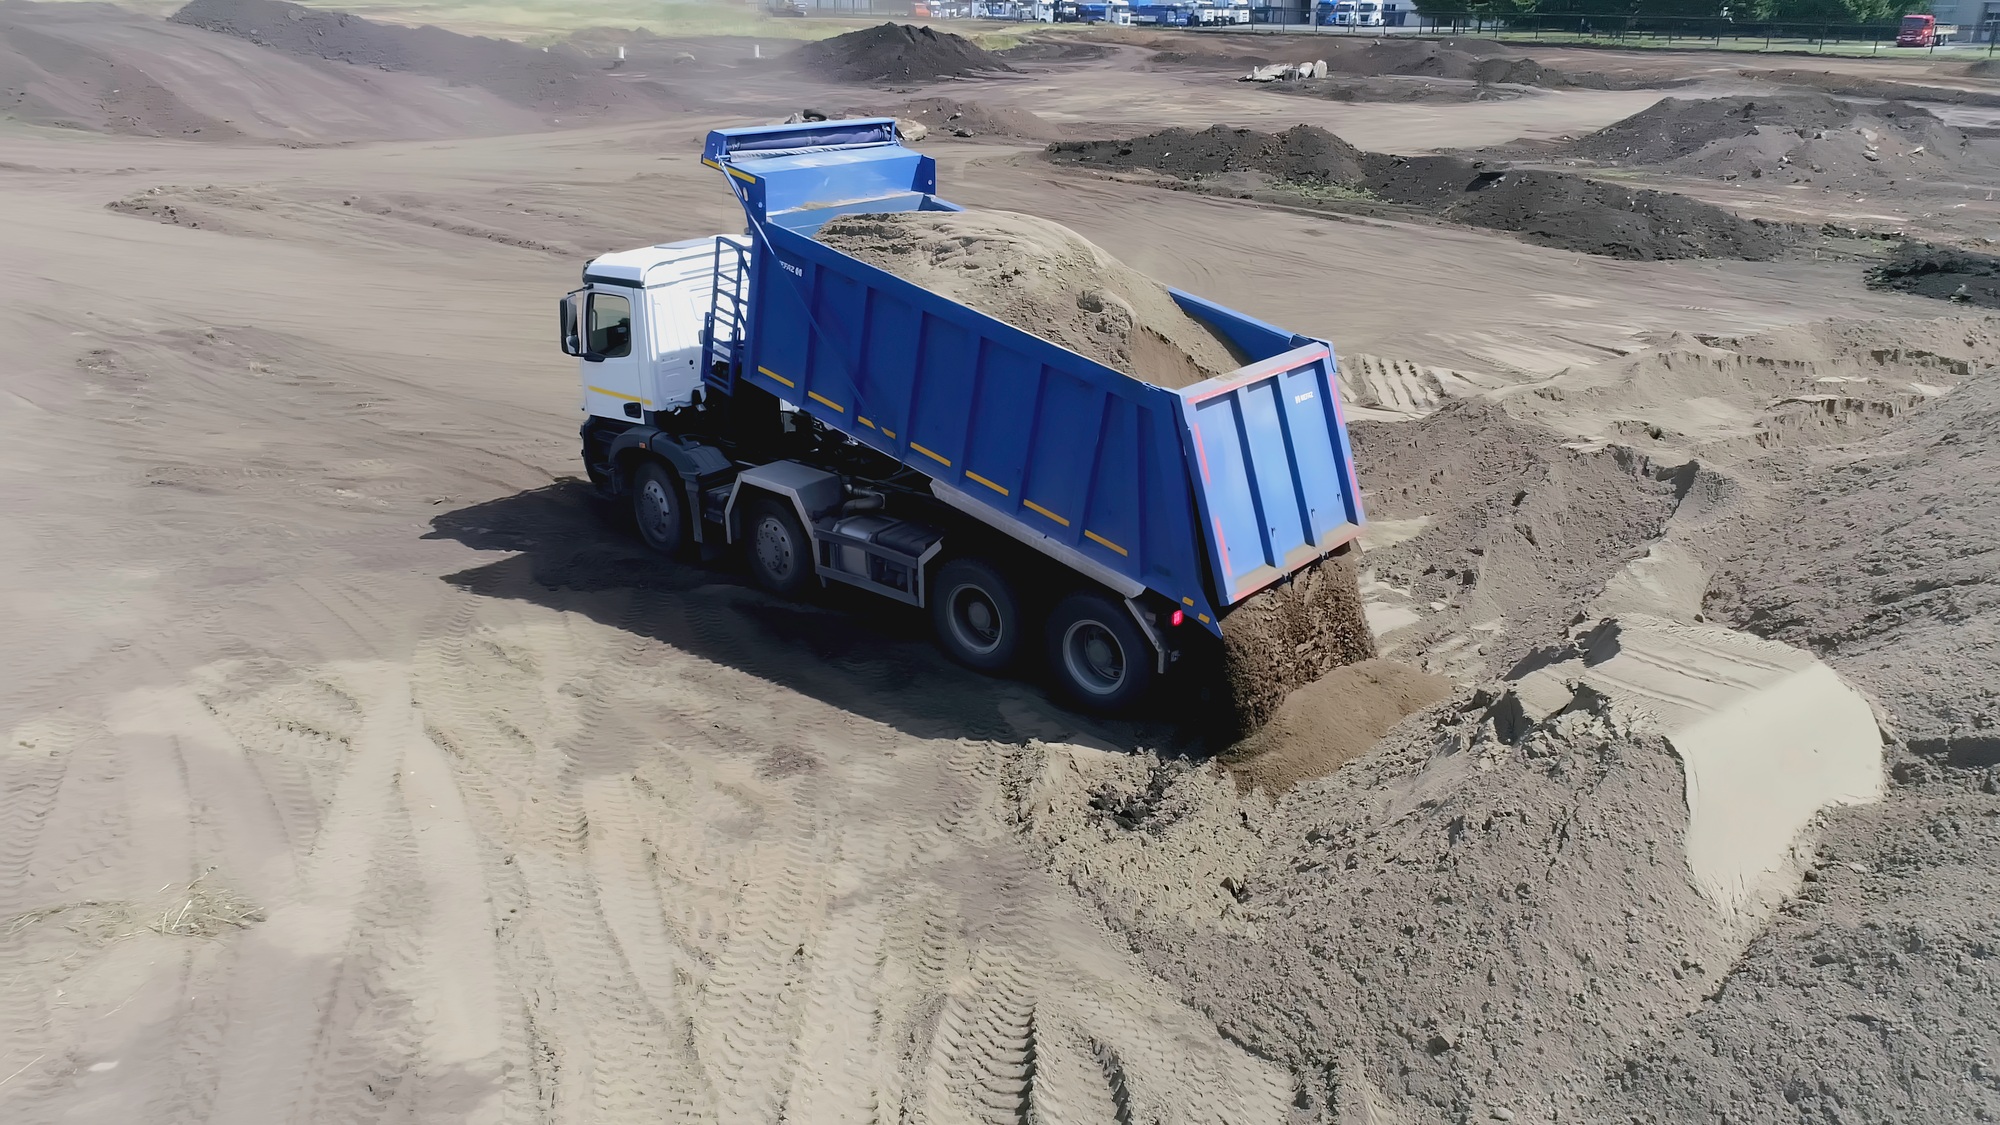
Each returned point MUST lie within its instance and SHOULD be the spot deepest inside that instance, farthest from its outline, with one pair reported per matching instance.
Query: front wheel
(1096, 653)
(658, 510)
(976, 615)
(778, 550)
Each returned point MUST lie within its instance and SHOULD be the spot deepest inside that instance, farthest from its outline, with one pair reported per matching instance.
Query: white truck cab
(635, 326)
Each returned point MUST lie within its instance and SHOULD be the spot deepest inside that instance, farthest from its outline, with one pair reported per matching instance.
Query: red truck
(1923, 31)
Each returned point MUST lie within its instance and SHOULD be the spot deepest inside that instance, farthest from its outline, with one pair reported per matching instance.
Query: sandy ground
(357, 767)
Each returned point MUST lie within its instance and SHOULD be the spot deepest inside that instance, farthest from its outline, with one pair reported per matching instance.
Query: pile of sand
(1044, 278)
(1330, 722)
(1551, 208)
(1286, 636)
(1518, 532)
(1887, 563)
(1451, 928)
(557, 80)
(1936, 271)
(896, 52)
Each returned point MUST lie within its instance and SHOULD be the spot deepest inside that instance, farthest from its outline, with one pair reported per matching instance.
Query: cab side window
(610, 325)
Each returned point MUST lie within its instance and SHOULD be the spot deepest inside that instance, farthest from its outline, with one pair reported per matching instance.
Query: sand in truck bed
(1044, 278)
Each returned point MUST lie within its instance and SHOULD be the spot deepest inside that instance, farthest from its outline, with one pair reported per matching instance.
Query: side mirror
(567, 310)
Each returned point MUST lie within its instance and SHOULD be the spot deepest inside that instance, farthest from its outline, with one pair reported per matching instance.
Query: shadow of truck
(570, 551)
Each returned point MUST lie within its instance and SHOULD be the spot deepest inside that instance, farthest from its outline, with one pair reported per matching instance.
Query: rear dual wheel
(976, 615)
(1097, 656)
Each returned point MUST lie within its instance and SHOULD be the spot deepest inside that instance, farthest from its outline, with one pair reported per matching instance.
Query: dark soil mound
(1394, 90)
(896, 52)
(1675, 127)
(558, 80)
(1303, 152)
(1984, 68)
(1474, 60)
(949, 117)
(1862, 86)
(1055, 50)
(1801, 140)
(1573, 213)
(1935, 271)
(1552, 208)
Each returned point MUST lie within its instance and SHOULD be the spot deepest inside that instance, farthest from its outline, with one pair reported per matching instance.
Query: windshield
(1915, 21)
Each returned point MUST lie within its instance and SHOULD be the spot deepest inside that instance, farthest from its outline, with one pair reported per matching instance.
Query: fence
(1636, 30)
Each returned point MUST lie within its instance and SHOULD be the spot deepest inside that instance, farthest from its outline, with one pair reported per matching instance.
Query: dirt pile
(1885, 560)
(1330, 722)
(1512, 531)
(1795, 139)
(1451, 928)
(896, 52)
(1675, 127)
(1574, 213)
(949, 117)
(1865, 999)
(1551, 208)
(1947, 274)
(1043, 278)
(1394, 90)
(1302, 152)
(50, 74)
(559, 80)
(1286, 636)
(1862, 86)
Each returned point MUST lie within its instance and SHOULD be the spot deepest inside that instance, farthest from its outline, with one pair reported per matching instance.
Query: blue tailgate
(1274, 478)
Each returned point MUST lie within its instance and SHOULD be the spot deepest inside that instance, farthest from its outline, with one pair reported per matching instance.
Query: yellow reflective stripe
(742, 175)
(1202, 617)
(615, 394)
(824, 401)
(1101, 540)
(1038, 508)
(888, 431)
(864, 421)
(982, 480)
(927, 453)
(775, 375)
(1187, 601)
(710, 163)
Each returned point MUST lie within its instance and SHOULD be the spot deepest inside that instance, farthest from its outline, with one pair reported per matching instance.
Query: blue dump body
(1202, 495)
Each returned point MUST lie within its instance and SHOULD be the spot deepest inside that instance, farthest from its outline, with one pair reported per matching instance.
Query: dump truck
(1924, 30)
(765, 395)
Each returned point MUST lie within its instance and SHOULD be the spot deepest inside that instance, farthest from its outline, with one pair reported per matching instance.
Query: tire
(976, 615)
(1099, 659)
(659, 508)
(776, 547)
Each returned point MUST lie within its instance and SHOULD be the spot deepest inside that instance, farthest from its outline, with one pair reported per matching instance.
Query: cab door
(610, 363)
